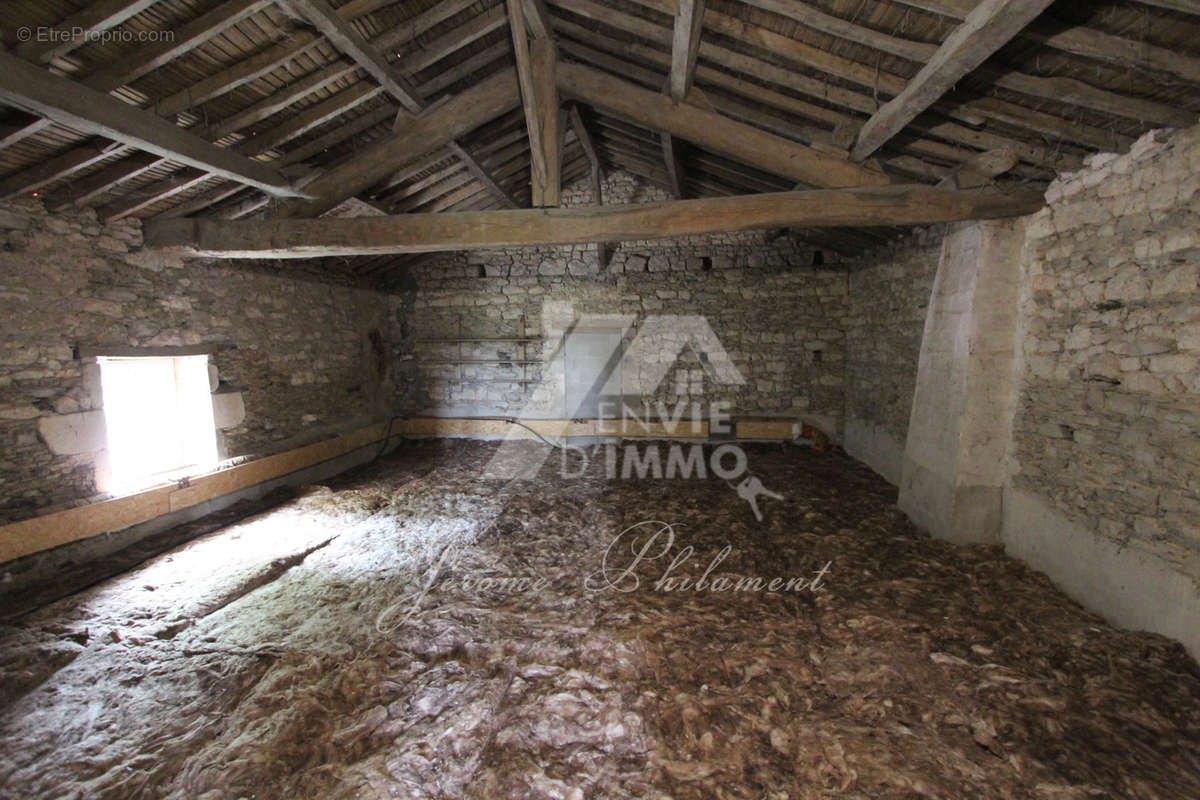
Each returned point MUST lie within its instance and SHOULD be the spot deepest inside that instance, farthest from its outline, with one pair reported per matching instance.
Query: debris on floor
(415, 631)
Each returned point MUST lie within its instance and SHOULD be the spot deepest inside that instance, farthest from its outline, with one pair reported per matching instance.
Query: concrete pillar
(953, 474)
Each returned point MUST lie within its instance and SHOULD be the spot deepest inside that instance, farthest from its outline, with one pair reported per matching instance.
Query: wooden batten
(63, 527)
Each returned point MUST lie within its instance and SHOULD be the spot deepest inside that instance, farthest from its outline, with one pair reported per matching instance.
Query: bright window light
(159, 417)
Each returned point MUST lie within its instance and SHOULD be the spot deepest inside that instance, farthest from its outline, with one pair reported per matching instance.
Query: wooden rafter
(482, 175)
(748, 81)
(348, 41)
(1088, 42)
(364, 54)
(453, 41)
(411, 233)
(870, 76)
(25, 85)
(431, 129)
(237, 75)
(50, 170)
(537, 18)
(103, 180)
(225, 81)
(91, 19)
(980, 170)
(188, 37)
(589, 149)
(970, 113)
(812, 17)
(986, 29)
(713, 131)
(146, 196)
(674, 168)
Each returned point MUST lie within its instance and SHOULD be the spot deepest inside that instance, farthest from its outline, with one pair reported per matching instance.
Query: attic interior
(572, 399)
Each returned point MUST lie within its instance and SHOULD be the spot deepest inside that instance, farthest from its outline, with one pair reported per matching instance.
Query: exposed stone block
(72, 434)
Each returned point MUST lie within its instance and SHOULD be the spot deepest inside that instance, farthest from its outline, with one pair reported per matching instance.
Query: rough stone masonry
(1108, 424)
(307, 358)
(778, 310)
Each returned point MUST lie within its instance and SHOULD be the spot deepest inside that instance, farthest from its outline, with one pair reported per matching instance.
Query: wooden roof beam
(146, 196)
(238, 74)
(1089, 42)
(65, 101)
(685, 46)
(413, 233)
(1182, 6)
(433, 128)
(537, 60)
(102, 181)
(980, 170)
(481, 175)
(674, 167)
(229, 79)
(451, 42)
(713, 131)
(296, 45)
(811, 17)
(1010, 113)
(589, 149)
(92, 19)
(347, 40)
(38, 175)
(1057, 89)
(986, 29)
(187, 37)
(537, 18)
(202, 201)
(594, 174)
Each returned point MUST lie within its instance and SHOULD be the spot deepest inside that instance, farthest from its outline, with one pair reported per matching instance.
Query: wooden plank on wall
(63, 527)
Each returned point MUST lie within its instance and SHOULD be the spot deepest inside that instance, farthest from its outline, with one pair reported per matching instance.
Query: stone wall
(307, 358)
(779, 318)
(1108, 428)
(1105, 487)
(888, 296)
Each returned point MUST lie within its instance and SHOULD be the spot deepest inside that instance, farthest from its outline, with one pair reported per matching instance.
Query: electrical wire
(512, 421)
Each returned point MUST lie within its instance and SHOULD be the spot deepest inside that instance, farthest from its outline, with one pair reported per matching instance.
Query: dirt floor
(415, 631)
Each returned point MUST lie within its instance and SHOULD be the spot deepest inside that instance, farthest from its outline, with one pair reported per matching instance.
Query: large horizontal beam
(24, 85)
(416, 233)
(712, 130)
